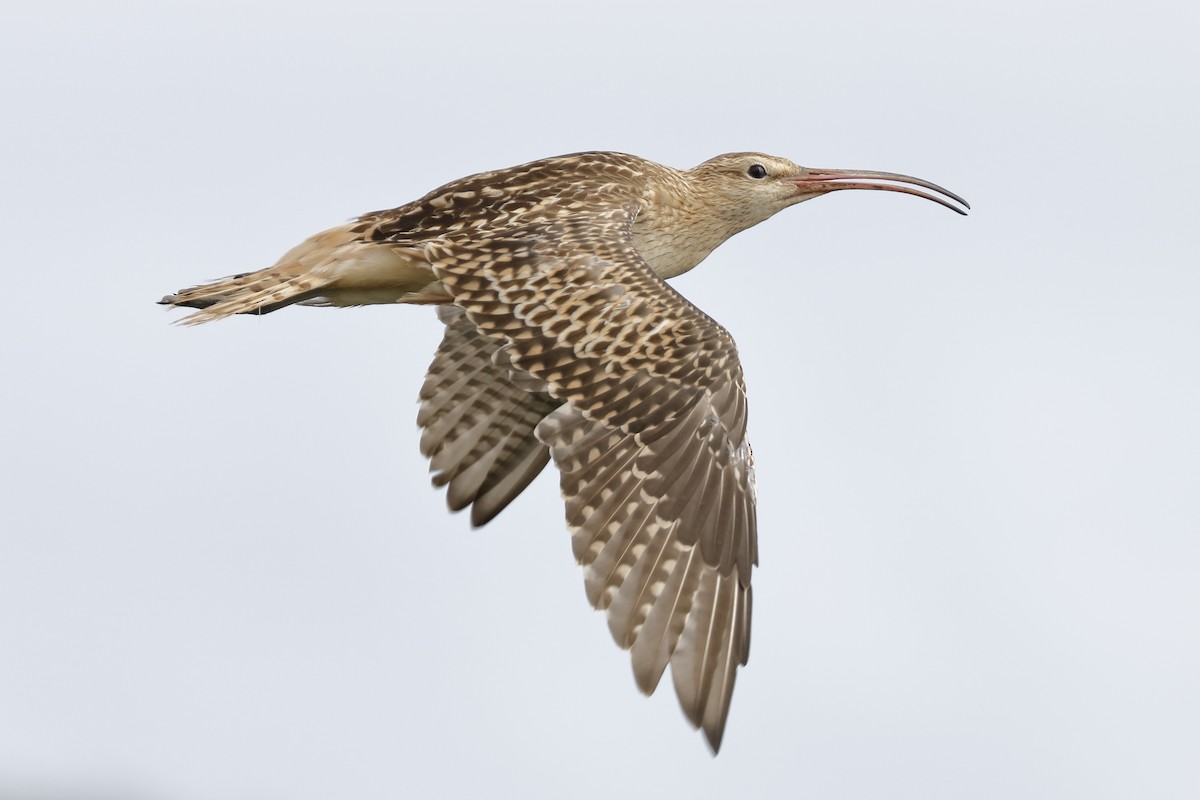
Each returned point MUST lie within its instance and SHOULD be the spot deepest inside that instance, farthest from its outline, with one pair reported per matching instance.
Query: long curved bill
(821, 181)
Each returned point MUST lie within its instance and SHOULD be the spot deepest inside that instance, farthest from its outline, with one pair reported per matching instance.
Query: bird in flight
(563, 341)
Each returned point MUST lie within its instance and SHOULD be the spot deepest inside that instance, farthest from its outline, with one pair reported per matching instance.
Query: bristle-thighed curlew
(562, 340)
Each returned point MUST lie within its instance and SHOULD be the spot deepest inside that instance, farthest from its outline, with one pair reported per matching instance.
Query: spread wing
(477, 424)
(650, 439)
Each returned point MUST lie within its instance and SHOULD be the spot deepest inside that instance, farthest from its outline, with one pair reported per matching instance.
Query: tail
(335, 267)
(249, 293)
(302, 273)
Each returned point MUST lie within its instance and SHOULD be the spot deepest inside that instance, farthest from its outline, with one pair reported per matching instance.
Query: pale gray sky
(223, 573)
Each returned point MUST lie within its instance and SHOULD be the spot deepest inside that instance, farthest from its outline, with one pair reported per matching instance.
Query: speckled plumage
(563, 341)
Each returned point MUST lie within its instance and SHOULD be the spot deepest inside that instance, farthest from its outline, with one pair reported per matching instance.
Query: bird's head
(748, 188)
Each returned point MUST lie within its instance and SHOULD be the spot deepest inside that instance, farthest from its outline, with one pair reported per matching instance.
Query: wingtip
(713, 737)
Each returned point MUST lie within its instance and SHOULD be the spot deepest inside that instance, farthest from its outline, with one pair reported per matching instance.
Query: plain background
(223, 573)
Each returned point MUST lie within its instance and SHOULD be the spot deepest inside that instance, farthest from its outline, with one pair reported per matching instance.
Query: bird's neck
(677, 228)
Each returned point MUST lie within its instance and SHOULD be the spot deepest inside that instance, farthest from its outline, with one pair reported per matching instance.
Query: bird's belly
(371, 267)
(432, 293)
(363, 274)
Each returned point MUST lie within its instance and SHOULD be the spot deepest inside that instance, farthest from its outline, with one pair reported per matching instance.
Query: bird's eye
(757, 171)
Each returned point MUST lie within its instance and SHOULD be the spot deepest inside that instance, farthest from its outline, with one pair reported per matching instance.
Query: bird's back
(528, 194)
